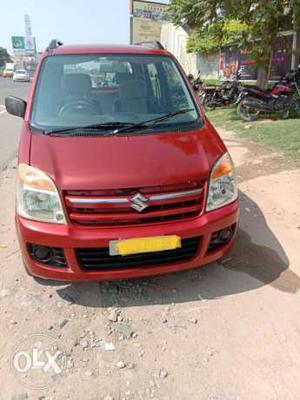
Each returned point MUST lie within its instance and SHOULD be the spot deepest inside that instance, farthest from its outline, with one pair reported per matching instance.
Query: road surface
(10, 127)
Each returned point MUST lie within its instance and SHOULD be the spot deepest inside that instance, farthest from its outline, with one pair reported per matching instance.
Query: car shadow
(257, 259)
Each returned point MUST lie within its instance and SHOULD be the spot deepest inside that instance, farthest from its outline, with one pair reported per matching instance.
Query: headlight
(37, 196)
(222, 186)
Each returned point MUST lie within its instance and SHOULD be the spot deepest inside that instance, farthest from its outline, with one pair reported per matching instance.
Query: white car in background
(21, 75)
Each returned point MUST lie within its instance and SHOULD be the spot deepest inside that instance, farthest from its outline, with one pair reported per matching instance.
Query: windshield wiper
(118, 127)
(106, 125)
(150, 122)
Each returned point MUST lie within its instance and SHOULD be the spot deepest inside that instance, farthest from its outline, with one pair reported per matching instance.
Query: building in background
(236, 59)
(226, 63)
(146, 20)
(152, 21)
(174, 39)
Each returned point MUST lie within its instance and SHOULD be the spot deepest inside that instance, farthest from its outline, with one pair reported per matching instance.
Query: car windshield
(80, 90)
(20, 71)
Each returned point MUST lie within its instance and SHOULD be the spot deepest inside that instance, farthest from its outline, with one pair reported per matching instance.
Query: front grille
(99, 258)
(125, 207)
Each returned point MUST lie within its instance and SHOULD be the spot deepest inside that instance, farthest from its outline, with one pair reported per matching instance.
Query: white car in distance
(21, 75)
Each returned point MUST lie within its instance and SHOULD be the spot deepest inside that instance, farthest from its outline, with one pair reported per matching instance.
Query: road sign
(18, 44)
(147, 18)
(23, 45)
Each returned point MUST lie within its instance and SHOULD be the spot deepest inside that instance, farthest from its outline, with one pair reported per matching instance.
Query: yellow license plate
(144, 245)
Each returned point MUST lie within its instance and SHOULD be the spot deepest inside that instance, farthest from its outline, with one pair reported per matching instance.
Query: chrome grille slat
(134, 206)
(116, 200)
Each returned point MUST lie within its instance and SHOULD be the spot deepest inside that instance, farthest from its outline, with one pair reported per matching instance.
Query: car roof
(104, 49)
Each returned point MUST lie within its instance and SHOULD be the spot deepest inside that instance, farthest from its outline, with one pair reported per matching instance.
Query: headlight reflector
(222, 186)
(37, 196)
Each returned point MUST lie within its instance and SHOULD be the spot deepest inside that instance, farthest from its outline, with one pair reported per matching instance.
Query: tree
(253, 24)
(296, 21)
(4, 56)
(216, 36)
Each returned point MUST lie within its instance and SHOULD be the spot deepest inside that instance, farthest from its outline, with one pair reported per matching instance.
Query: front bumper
(21, 79)
(70, 237)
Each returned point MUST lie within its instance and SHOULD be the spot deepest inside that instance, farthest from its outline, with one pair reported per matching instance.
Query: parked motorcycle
(198, 85)
(223, 95)
(283, 99)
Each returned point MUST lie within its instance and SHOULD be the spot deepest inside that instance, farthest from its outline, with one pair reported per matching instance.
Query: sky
(71, 21)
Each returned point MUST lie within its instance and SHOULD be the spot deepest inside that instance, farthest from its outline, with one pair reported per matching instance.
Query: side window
(176, 90)
(155, 83)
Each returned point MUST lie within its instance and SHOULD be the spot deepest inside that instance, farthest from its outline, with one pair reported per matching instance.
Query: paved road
(10, 127)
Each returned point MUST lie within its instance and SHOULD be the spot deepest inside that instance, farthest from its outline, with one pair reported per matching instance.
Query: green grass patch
(212, 82)
(282, 135)
(218, 82)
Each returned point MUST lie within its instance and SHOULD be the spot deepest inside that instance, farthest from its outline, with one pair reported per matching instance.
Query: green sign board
(23, 45)
(18, 43)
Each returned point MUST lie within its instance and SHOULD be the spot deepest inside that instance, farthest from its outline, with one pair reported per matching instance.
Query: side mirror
(15, 106)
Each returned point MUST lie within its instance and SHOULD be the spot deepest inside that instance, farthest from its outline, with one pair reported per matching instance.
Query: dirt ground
(226, 331)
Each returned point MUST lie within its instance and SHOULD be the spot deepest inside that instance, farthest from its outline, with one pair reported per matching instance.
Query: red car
(120, 173)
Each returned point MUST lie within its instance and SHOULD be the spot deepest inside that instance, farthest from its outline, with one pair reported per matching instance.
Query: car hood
(102, 162)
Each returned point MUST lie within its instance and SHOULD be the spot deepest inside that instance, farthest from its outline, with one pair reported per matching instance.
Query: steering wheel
(83, 106)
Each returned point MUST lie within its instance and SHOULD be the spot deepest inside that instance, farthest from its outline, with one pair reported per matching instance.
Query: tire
(208, 103)
(247, 113)
(296, 109)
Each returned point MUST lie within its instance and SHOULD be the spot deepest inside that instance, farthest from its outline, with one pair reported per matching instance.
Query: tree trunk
(262, 76)
(296, 49)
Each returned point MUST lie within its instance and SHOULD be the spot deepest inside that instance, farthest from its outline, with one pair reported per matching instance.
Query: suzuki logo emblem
(139, 202)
